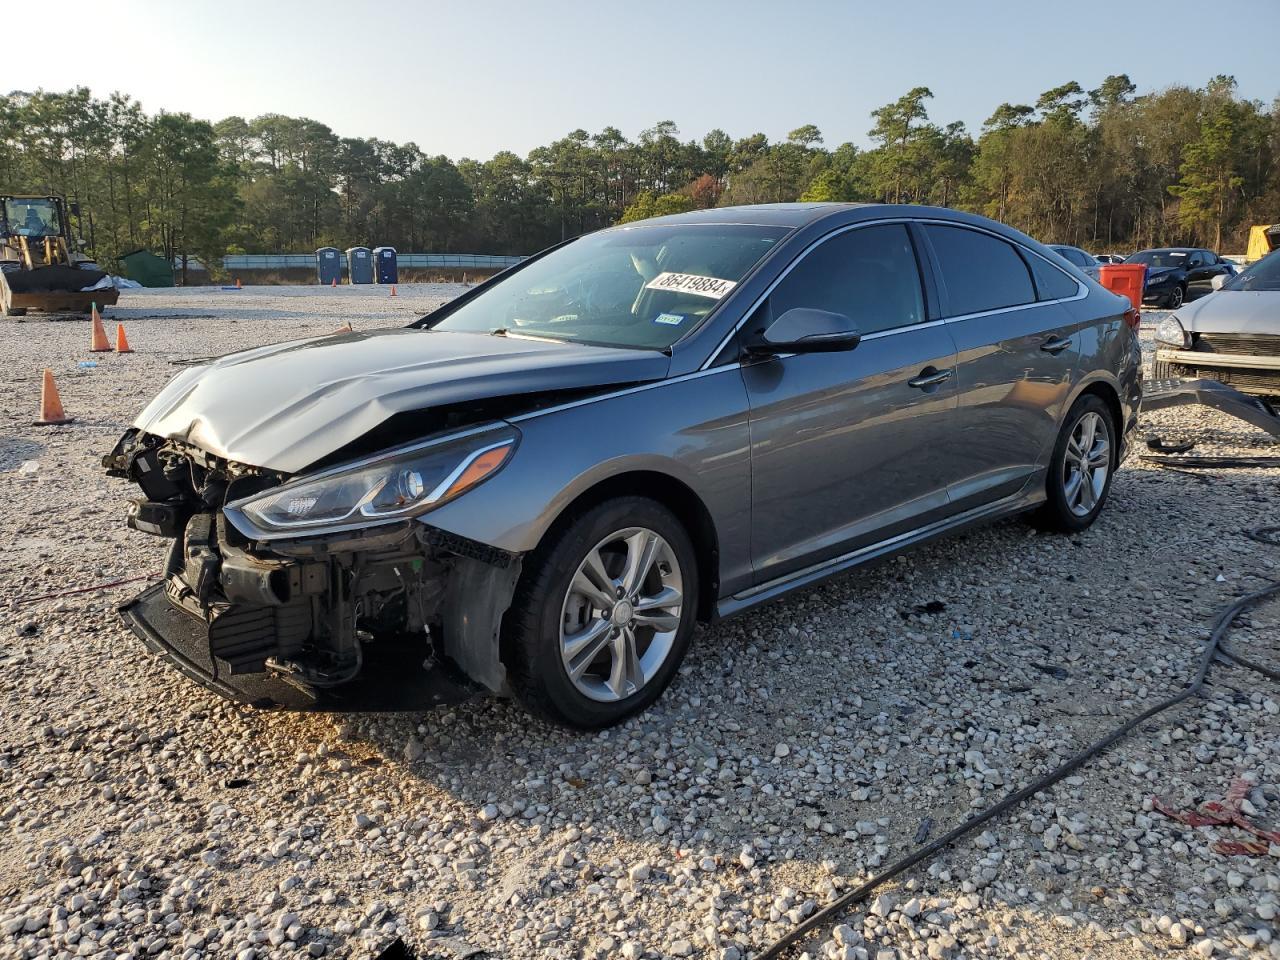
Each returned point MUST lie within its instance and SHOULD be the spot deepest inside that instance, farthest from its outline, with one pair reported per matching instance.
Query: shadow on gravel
(15, 450)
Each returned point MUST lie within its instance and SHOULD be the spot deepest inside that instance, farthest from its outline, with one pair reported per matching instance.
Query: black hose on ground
(1215, 647)
(35, 598)
(1206, 462)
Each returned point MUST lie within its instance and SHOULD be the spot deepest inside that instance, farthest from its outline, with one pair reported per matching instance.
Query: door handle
(927, 379)
(1056, 345)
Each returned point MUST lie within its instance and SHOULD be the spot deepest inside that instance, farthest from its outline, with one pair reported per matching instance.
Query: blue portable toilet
(384, 265)
(329, 265)
(359, 265)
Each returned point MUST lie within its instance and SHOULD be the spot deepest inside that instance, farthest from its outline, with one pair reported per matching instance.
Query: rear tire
(15, 311)
(1081, 468)
(603, 614)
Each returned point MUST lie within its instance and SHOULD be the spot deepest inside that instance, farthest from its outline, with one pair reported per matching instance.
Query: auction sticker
(691, 283)
(670, 319)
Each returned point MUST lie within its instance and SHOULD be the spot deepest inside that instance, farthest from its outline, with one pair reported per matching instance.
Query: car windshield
(638, 286)
(1160, 258)
(32, 218)
(1263, 275)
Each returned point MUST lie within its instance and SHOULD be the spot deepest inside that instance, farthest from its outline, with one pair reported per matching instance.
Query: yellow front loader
(41, 268)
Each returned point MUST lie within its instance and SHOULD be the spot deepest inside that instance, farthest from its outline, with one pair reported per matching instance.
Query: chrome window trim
(1082, 290)
(706, 369)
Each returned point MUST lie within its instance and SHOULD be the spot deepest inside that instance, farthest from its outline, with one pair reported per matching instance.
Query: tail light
(1133, 318)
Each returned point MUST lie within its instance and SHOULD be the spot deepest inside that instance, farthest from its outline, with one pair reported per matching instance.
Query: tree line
(1106, 169)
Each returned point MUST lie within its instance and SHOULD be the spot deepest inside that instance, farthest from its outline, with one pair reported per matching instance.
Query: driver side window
(868, 274)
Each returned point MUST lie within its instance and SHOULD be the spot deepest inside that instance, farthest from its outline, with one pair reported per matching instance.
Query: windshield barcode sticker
(691, 283)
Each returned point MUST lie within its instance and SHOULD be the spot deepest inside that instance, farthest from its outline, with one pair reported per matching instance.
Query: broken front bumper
(396, 618)
(1161, 394)
(395, 680)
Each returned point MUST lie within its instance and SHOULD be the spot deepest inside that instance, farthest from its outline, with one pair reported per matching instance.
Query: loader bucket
(53, 289)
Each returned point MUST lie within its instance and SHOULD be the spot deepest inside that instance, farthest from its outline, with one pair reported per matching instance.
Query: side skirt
(764, 592)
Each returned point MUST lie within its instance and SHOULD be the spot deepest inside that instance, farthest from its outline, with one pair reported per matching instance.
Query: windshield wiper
(506, 332)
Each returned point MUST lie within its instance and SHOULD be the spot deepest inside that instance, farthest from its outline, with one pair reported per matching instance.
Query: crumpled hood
(285, 406)
(1233, 311)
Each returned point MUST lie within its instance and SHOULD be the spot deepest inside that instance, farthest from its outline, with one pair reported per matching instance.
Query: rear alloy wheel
(1086, 468)
(603, 614)
(1082, 467)
(1176, 296)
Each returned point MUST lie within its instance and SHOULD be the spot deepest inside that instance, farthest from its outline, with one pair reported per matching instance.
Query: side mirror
(806, 330)
(1219, 281)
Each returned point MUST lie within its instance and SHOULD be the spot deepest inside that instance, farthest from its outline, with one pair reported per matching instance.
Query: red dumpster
(1126, 279)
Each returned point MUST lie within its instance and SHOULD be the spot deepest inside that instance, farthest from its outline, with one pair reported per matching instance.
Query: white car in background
(1232, 335)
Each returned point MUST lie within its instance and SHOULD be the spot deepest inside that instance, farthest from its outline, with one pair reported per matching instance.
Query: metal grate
(1264, 344)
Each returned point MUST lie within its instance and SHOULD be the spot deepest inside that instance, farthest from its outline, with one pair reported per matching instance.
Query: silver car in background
(1232, 335)
(538, 489)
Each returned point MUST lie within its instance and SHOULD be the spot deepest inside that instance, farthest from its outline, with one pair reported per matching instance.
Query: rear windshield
(1263, 275)
(637, 286)
(1160, 258)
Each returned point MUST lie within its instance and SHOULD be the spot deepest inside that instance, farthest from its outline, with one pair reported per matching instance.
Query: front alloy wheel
(603, 613)
(1176, 297)
(621, 613)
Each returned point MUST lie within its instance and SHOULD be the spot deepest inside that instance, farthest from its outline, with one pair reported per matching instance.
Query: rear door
(844, 445)
(1016, 350)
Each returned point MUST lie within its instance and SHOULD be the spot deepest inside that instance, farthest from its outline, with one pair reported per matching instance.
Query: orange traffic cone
(393, 289)
(98, 342)
(335, 282)
(237, 283)
(122, 342)
(345, 328)
(50, 403)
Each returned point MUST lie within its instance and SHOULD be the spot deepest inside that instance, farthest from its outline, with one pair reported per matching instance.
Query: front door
(843, 444)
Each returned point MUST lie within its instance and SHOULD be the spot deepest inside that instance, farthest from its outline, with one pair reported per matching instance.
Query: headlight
(1156, 281)
(1170, 333)
(401, 484)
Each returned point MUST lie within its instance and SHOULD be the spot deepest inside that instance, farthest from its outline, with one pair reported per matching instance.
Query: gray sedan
(538, 489)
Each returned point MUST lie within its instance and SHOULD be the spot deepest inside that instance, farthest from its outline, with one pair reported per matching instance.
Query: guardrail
(282, 261)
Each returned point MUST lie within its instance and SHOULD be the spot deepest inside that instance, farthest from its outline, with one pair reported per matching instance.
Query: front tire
(603, 614)
(1176, 297)
(1081, 468)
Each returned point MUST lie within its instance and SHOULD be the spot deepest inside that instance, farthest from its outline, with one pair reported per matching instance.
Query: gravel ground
(802, 746)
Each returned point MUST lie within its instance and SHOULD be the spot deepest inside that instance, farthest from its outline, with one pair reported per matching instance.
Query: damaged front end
(325, 592)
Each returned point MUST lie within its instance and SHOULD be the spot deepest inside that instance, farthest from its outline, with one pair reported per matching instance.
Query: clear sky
(469, 79)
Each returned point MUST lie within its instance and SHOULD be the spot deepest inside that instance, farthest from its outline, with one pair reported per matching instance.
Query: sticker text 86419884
(700, 286)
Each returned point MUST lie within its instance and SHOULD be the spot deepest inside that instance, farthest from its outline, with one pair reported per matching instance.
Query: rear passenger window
(980, 272)
(1051, 283)
(869, 275)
